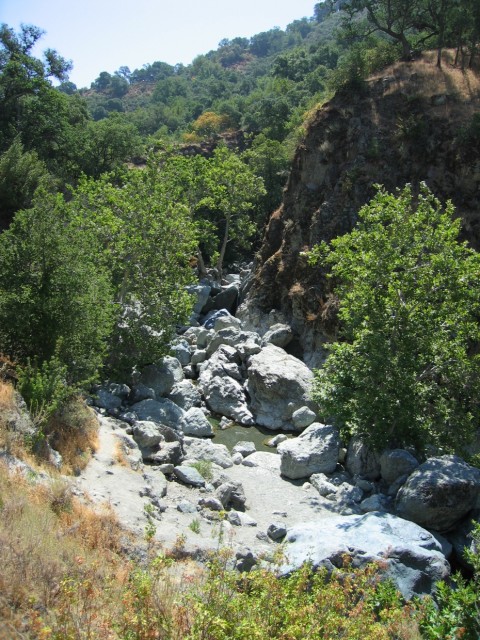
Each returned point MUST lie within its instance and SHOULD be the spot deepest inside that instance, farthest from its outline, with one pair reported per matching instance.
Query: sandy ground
(269, 499)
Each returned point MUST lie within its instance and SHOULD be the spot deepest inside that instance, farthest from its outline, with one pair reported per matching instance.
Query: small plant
(150, 527)
(204, 468)
(194, 525)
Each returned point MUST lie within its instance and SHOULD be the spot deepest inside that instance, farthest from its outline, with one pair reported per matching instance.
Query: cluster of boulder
(404, 509)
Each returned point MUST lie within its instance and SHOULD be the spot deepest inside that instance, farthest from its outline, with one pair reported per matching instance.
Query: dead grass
(73, 431)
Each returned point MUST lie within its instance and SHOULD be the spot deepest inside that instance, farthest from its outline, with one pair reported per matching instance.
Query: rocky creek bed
(233, 403)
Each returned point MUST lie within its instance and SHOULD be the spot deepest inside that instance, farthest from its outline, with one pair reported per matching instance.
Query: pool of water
(235, 433)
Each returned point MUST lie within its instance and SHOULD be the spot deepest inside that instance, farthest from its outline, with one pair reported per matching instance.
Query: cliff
(411, 124)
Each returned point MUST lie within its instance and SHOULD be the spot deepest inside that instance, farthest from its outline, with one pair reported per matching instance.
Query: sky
(104, 35)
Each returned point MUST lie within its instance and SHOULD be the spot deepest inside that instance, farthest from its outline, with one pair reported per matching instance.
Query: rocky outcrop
(395, 131)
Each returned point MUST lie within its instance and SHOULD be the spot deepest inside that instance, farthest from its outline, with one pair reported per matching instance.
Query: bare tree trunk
(223, 248)
(201, 268)
(439, 57)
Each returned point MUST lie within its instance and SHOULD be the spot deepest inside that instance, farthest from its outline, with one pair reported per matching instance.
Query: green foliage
(405, 372)
(55, 294)
(194, 525)
(204, 468)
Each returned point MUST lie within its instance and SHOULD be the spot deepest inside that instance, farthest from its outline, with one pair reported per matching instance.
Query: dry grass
(73, 432)
(6, 396)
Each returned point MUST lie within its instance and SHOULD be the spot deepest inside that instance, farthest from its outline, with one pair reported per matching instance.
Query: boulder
(169, 453)
(226, 321)
(224, 362)
(163, 411)
(227, 298)
(303, 417)
(361, 460)
(129, 448)
(186, 395)
(313, 451)
(245, 559)
(278, 384)
(279, 335)
(189, 475)
(141, 392)
(181, 351)
(226, 397)
(195, 423)
(413, 556)
(277, 531)
(200, 293)
(163, 376)
(104, 399)
(264, 460)
(213, 316)
(197, 449)
(147, 434)
(395, 463)
(245, 447)
(439, 493)
(156, 486)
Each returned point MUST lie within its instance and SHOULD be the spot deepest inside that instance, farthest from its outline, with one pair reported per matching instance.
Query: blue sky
(103, 35)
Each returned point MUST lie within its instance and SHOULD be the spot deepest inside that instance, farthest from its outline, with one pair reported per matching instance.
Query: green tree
(407, 371)
(55, 294)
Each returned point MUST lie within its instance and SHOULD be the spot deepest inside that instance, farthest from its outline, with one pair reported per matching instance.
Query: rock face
(353, 142)
(278, 384)
(414, 557)
(439, 493)
(314, 451)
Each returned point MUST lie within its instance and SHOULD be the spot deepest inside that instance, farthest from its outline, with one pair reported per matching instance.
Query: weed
(204, 468)
(194, 525)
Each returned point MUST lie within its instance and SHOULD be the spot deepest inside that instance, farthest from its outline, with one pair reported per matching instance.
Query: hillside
(411, 123)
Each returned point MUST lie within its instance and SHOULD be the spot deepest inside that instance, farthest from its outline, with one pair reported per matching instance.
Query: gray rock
(166, 469)
(245, 559)
(224, 492)
(277, 531)
(323, 485)
(234, 518)
(169, 453)
(224, 362)
(303, 417)
(195, 423)
(313, 451)
(264, 460)
(185, 506)
(439, 493)
(199, 356)
(156, 484)
(226, 397)
(130, 450)
(181, 351)
(413, 556)
(279, 335)
(203, 337)
(163, 411)
(395, 463)
(224, 322)
(213, 316)
(237, 458)
(244, 447)
(104, 399)
(377, 502)
(278, 384)
(186, 395)
(274, 442)
(189, 475)
(196, 449)
(211, 503)
(201, 293)
(361, 460)
(163, 376)
(227, 298)
(141, 392)
(147, 434)
(17, 419)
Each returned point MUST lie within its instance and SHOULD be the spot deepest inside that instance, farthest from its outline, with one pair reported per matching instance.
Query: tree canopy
(407, 369)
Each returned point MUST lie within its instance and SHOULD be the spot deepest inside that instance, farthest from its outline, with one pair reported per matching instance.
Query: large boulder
(278, 384)
(413, 556)
(197, 449)
(224, 362)
(361, 460)
(195, 423)
(186, 395)
(395, 463)
(439, 493)
(313, 451)
(163, 411)
(162, 377)
(225, 396)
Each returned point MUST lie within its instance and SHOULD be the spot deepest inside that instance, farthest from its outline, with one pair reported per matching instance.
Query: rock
(439, 493)
(302, 418)
(278, 384)
(147, 434)
(225, 396)
(395, 463)
(163, 376)
(213, 316)
(227, 298)
(322, 485)
(234, 518)
(185, 395)
(313, 451)
(279, 335)
(244, 447)
(130, 450)
(169, 453)
(224, 322)
(195, 423)
(377, 502)
(16, 417)
(211, 503)
(237, 458)
(104, 399)
(189, 475)
(277, 531)
(245, 559)
(413, 556)
(141, 392)
(264, 460)
(196, 449)
(199, 356)
(156, 484)
(224, 362)
(166, 469)
(223, 337)
(185, 506)
(181, 351)
(163, 411)
(203, 337)
(224, 492)
(201, 293)
(361, 460)
(274, 442)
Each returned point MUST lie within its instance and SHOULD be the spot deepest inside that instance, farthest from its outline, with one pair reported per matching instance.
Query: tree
(55, 294)
(407, 371)
(230, 190)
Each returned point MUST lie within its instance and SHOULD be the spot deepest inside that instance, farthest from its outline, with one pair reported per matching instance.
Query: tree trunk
(201, 268)
(223, 248)
(439, 57)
